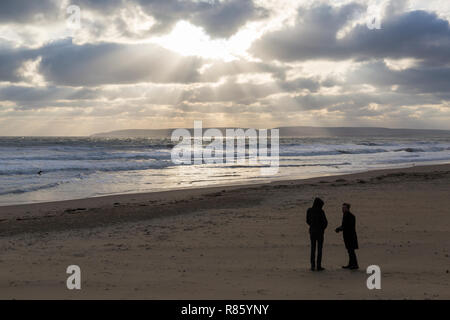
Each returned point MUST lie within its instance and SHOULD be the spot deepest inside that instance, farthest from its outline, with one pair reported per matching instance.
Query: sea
(41, 169)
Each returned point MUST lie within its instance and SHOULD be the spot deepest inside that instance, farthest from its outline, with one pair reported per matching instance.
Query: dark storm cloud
(224, 18)
(416, 34)
(10, 62)
(421, 78)
(220, 19)
(35, 98)
(65, 63)
(22, 94)
(18, 11)
(351, 103)
(313, 36)
(101, 6)
(299, 84)
(30, 95)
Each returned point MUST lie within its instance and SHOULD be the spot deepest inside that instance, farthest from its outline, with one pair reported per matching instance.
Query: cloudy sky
(143, 64)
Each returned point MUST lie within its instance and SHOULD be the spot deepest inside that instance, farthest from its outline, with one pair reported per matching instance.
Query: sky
(79, 67)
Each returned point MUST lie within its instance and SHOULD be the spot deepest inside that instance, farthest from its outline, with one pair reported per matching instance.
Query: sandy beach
(239, 242)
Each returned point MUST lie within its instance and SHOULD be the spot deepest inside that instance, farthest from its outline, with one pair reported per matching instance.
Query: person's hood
(318, 203)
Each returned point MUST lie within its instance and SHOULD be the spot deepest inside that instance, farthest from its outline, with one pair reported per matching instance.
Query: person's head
(345, 207)
(318, 203)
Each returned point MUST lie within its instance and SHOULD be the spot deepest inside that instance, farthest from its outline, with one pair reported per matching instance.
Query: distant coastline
(297, 131)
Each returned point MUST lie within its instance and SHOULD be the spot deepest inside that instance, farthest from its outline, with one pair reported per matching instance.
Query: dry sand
(246, 242)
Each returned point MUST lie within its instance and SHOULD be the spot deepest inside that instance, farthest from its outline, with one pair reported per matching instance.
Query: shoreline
(105, 210)
(244, 184)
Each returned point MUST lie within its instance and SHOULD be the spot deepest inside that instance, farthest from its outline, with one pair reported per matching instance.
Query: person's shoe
(320, 269)
(345, 267)
(354, 268)
(313, 269)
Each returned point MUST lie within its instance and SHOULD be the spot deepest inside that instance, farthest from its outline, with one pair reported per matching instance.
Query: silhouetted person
(317, 221)
(348, 229)
(40, 172)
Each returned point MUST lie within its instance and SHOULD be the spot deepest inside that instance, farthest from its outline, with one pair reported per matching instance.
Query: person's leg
(319, 251)
(349, 251)
(313, 252)
(352, 262)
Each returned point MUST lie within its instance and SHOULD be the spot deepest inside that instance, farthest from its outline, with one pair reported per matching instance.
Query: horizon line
(279, 127)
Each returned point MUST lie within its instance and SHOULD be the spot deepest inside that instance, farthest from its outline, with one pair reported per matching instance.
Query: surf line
(189, 150)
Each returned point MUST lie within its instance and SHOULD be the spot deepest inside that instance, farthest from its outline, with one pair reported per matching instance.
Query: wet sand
(239, 242)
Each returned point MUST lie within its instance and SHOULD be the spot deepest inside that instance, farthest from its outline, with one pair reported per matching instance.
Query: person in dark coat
(348, 229)
(317, 221)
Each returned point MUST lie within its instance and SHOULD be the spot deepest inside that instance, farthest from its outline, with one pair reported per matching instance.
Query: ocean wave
(100, 156)
(65, 143)
(107, 156)
(31, 188)
(360, 151)
(290, 165)
(79, 167)
(431, 149)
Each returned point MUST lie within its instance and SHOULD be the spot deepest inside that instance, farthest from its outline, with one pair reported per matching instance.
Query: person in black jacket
(348, 229)
(317, 221)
